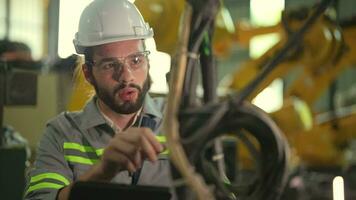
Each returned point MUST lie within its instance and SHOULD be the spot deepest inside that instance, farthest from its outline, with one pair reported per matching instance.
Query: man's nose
(124, 74)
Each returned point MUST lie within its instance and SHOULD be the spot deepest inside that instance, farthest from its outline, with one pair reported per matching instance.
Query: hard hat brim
(80, 48)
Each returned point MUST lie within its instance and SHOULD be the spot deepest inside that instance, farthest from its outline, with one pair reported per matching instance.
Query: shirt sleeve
(50, 171)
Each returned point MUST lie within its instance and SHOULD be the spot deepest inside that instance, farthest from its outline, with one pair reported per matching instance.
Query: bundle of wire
(244, 121)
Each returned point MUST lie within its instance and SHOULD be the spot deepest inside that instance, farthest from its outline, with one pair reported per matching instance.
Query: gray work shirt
(74, 141)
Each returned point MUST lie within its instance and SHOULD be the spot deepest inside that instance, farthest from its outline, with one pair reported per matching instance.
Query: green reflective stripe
(54, 176)
(44, 185)
(75, 146)
(166, 152)
(99, 152)
(82, 148)
(81, 160)
(161, 138)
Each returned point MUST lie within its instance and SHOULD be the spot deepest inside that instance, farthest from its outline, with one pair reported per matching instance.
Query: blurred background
(311, 95)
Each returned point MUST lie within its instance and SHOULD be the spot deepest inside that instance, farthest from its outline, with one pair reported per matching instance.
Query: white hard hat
(106, 21)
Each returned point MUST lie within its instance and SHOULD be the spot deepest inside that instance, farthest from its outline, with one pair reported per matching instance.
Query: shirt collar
(151, 107)
(91, 115)
(115, 127)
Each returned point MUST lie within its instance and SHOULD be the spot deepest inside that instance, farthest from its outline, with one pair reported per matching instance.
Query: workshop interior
(260, 94)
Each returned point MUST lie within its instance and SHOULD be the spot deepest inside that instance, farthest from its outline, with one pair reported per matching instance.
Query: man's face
(120, 75)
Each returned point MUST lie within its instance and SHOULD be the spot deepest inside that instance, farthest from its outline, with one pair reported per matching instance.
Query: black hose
(271, 159)
(202, 23)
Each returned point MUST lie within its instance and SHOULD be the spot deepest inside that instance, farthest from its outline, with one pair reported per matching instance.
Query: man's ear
(88, 73)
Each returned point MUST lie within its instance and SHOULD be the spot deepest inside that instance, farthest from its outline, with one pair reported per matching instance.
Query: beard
(124, 107)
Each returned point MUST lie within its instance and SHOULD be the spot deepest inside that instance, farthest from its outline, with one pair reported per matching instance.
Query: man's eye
(135, 60)
(108, 65)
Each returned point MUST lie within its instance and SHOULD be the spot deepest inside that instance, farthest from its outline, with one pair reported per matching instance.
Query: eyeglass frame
(121, 60)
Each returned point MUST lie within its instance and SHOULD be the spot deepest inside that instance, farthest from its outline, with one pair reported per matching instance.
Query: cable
(271, 158)
(202, 21)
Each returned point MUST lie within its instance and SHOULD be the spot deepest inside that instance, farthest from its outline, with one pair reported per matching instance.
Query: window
(26, 24)
(69, 14)
(266, 13)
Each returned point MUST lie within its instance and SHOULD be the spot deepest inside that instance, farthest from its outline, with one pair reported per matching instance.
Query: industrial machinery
(322, 143)
(197, 128)
(167, 28)
(326, 50)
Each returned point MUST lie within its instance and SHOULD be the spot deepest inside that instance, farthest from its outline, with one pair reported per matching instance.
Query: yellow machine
(82, 90)
(164, 17)
(325, 51)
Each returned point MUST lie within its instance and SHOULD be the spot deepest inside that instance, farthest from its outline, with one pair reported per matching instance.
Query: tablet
(111, 191)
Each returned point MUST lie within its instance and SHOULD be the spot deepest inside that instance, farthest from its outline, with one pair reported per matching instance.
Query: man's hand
(127, 150)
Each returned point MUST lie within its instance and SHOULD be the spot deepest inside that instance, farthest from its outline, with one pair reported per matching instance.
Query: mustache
(124, 85)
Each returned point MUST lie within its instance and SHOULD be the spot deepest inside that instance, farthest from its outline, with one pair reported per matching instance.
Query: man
(112, 138)
(20, 53)
(12, 50)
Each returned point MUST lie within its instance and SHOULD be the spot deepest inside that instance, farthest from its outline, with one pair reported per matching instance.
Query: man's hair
(88, 55)
(13, 46)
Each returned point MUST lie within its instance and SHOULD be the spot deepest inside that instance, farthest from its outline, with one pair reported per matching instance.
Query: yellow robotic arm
(325, 51)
